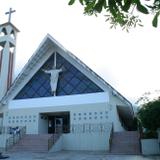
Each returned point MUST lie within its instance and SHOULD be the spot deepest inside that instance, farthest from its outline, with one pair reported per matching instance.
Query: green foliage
(71, 2)
(155, 20)
(135, 124)
(121, 12)
(149, 115)
(141, 8)
(149, 134)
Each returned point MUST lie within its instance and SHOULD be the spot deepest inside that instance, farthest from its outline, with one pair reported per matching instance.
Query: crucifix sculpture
(54, 75)
(9, 13)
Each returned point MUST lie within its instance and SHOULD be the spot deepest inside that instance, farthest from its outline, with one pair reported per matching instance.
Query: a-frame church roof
(46, 48)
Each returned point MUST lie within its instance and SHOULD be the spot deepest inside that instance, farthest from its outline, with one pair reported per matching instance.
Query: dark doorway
(59, 122)
(126, 117)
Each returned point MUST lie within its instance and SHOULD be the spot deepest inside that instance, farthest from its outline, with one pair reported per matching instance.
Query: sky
(130, 62)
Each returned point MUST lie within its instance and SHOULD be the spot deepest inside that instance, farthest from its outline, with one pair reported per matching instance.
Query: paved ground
(68, 155)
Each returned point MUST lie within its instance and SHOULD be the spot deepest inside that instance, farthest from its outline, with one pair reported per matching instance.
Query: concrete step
(33, 143)
(126, 142)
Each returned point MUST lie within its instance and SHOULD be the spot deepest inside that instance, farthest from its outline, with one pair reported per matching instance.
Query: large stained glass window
(71, 81)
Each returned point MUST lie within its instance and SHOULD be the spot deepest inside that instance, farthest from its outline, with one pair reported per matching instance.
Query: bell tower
(8, 36)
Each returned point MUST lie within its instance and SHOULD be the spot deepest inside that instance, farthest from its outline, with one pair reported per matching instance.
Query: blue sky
(128, 61)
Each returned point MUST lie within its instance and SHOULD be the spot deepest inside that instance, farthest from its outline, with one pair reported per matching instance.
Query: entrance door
(59, 122)
(58, 125)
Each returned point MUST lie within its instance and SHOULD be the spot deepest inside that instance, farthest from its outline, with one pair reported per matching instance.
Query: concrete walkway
(70, 155)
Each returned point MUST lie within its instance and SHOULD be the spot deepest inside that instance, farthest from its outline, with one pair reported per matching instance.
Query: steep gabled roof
(46, 48)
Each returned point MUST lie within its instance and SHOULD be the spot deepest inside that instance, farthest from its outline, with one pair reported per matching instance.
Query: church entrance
(58, 122)
(58, 125)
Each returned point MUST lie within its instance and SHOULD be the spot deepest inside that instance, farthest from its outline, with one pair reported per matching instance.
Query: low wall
(3, 138)
(83, 142)
(150, 146)
(86, 141)
(95, 139)
(58, 146)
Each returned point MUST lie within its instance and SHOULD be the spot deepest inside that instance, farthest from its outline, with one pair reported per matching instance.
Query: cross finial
(9, 13)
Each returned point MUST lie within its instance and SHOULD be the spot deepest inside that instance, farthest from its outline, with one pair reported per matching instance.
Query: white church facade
(55, 91)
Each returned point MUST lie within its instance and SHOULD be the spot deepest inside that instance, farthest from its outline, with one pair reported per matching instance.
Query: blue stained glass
(30, 92)
(46, 86)
(47, 94)
(42, 90)
(71, 81)
(88, 90)
(68, 88)
(61, 93)
(66, 65)
(85, 80)
(68, 76)
(81, 87)
(35, 85)
(73, 70)
(79, 75)
(61, 84)
(75, 81)
(75, 92)
(36, 94)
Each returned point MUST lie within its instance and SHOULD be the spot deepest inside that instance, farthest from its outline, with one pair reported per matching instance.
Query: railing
(53, 139)
(14, 136)
(90, 128)
(3, 130)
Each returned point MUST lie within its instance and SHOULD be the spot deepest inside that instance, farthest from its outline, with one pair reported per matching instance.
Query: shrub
(149, 115)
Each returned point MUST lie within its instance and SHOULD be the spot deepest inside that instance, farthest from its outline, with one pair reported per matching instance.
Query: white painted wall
(87, 108)
(79, 114)
(42, 124)
(150, 147)
(86, 141)
(68, 100)
(22, 117)
(84, 109)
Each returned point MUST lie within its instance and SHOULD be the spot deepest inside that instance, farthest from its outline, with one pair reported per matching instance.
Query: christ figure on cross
(54, 78)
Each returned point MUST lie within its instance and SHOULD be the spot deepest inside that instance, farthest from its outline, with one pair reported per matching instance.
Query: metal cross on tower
(9, 13)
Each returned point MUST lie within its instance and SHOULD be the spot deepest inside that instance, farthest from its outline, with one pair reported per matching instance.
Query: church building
(56, 92)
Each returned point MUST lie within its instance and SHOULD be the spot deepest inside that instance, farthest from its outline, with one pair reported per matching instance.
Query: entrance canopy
(58, 122)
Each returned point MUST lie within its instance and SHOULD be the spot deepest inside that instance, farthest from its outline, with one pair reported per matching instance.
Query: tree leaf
(119, 2)
(81, 1)
(141, 8)
(112, 7)
(155, 20)
(71, 2)
(89, 8)
(99, 5)
(127, 5)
